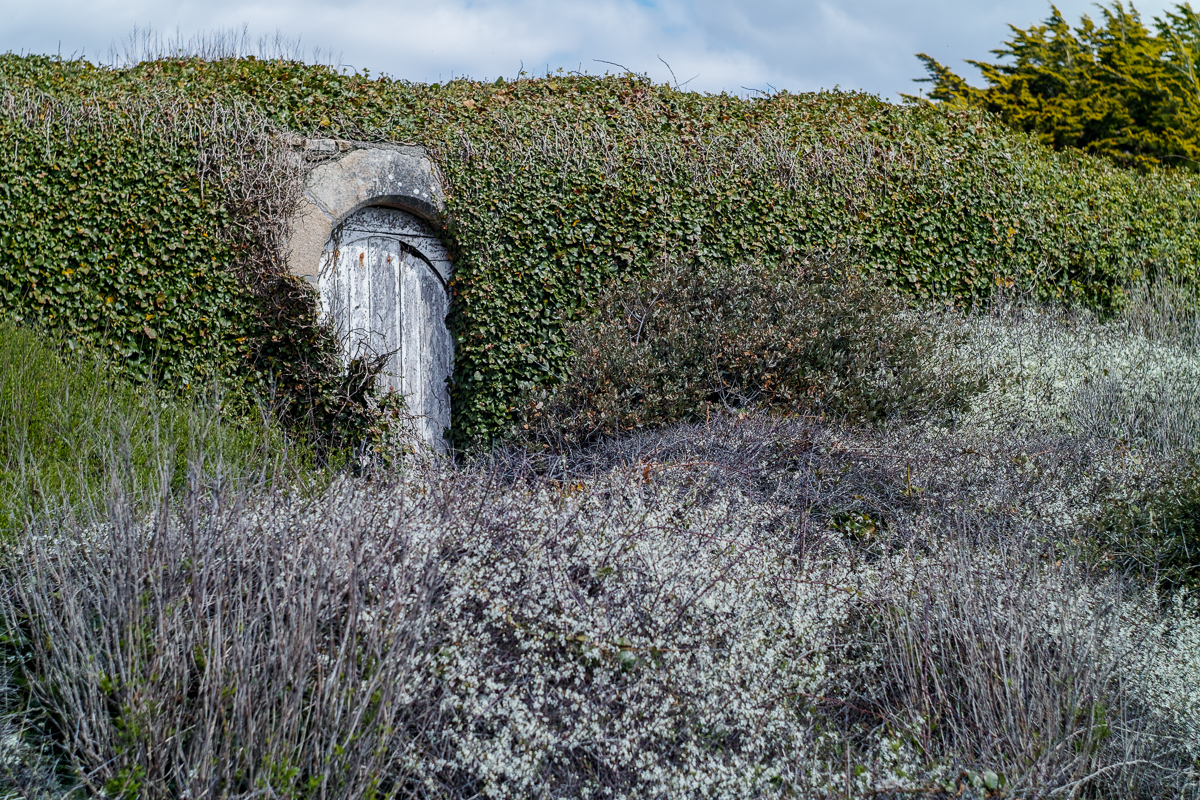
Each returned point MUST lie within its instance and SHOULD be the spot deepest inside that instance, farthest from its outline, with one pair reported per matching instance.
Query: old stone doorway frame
(378, 204)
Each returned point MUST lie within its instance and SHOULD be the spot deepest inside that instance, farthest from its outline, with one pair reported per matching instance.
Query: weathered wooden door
(383, 286)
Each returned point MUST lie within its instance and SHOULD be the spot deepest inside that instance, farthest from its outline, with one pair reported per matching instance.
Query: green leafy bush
(561, 185)
(694, 337)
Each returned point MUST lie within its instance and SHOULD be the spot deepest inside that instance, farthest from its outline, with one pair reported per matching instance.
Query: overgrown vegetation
(963, 570)
(749, 605)
(560, 185)
(68, 426)
(1116, 89)
(694, 338)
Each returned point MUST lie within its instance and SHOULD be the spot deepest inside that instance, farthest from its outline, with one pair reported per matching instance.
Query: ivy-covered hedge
(559, 185)
(148, 226)
(105, 231)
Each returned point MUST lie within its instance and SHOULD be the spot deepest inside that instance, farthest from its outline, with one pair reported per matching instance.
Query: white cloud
(866, 44)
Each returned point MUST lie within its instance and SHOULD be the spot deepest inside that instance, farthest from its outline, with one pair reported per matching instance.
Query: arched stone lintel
(361, 175)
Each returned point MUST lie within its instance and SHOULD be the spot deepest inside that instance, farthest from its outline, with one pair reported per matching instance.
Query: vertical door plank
(385, 307)
(427, 348)
(411, 302)
(358, 312)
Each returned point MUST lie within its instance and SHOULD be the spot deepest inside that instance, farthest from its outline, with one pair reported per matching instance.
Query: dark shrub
(801, 336)
(1157, 533)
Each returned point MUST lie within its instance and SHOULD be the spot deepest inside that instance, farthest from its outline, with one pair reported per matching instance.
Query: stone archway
(361, 234)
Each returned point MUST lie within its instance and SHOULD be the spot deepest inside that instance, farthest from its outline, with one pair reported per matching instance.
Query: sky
(706, 45)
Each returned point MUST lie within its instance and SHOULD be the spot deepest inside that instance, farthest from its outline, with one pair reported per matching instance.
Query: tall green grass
(68, 427)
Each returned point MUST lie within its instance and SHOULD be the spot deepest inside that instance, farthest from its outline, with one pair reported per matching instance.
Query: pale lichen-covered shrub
(640, 631)
(1048, 679)
(429, 635)
(1131, 378)
(1124, 390)
(740, 606)
(1167, 673)
(624, 643)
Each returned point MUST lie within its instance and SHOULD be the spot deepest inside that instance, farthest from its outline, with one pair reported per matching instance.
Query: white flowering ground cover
(750, 607)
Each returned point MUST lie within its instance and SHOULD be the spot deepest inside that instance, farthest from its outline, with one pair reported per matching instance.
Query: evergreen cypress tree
(1116, 88)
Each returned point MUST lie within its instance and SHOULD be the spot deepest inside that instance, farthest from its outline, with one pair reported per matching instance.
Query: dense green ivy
(560, 184)
(139, 224)
(104, 229)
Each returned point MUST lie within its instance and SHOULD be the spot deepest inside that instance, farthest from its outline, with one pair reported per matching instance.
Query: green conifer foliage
(1114, 87)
